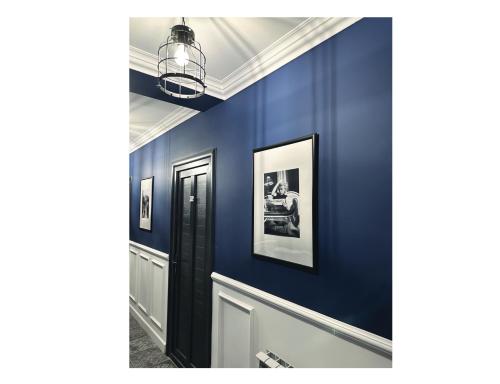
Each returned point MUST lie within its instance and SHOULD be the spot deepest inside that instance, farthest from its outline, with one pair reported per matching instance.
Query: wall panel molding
(149, 250)
(157, 293)
(143, 296)
(133, 274)
(249, 326)
(149, 304)
(336, 327)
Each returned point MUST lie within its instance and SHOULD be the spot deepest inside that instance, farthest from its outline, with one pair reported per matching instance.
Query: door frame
(205, 157)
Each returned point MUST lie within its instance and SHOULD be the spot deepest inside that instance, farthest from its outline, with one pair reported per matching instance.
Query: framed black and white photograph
(146, 204)
(284, 201)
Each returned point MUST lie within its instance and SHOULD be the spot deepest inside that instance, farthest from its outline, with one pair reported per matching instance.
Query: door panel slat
(192, 285)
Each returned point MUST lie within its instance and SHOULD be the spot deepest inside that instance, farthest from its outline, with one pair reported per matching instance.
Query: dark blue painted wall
(341, 89)
(147, 85)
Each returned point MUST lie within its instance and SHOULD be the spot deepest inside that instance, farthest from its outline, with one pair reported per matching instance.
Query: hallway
(237, 226)
(143, 353)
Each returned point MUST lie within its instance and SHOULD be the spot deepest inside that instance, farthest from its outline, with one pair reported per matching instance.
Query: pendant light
(181, 64)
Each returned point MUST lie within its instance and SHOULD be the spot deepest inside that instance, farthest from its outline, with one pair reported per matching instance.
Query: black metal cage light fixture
(181, 64)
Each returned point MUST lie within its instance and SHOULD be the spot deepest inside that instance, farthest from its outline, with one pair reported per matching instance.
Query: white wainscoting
(246, 320)
(148, 293)
(235, 322)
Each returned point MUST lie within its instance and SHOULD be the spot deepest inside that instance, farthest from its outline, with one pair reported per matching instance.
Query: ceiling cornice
(168, 122)
(299, 40)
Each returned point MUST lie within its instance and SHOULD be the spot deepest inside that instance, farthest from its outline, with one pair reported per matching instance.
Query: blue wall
(341, 89)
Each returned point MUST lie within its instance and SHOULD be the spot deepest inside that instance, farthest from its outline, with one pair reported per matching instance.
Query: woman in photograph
(280, 190)
(288, 206)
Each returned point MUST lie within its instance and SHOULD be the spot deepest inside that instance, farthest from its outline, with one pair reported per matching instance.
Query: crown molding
(170, 121)
(299, 40)
(142, 61)
(305, 36)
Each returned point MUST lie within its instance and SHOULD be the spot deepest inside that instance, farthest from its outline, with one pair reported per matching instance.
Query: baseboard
(155, 337)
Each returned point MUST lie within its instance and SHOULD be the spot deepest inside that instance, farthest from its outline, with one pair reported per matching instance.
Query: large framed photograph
(284, 202)
(146, 204)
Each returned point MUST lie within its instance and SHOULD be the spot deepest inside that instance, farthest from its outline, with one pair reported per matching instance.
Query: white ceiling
(227, 42)
(148, 117)
(239, 51)
(146, 113)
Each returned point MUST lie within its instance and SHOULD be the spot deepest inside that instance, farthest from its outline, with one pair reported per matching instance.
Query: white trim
(155, 322)
(141, 307)
(161, 266)
(134, 252)
(170, 121)
(299, 40)
(149, 330)
(336, 327)
(152, 251)
(236, 302)
(305, 36)
(246, 308)
(143, 61)
(158, 263)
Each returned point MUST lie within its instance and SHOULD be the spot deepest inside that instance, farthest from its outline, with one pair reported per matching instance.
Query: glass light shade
(181, 55)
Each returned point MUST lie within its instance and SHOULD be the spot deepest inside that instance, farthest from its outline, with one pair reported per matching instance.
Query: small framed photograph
(284, 202)
(146, 204)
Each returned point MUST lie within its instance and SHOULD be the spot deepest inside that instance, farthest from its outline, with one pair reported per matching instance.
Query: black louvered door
(190, 285)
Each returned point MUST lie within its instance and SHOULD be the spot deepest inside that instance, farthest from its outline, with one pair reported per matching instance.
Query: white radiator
(269, 359)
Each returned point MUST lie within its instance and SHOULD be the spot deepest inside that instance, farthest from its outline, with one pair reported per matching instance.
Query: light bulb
(181, 55)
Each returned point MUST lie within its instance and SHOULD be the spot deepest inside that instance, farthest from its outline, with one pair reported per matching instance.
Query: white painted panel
(235, 332)
(148, 250)
(301, 337)
(144, 281)
(133, 274)
(148, 304)
(158, 293)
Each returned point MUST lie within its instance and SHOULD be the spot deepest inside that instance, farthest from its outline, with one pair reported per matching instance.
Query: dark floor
(143, 352)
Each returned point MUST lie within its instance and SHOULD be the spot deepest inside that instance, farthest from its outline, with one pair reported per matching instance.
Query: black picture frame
(312, 262)
(146, 216)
